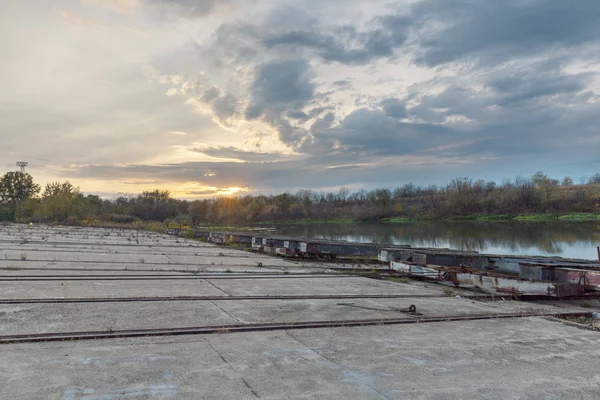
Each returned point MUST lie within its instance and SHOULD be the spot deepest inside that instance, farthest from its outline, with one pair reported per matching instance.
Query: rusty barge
(552, 277)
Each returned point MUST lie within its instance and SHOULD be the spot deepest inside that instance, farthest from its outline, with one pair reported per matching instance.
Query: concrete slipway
(524, 358)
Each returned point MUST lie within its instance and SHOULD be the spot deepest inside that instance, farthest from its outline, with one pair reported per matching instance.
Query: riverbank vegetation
(537, 198)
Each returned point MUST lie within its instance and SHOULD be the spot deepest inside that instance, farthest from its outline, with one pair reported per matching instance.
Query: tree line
(22, 200)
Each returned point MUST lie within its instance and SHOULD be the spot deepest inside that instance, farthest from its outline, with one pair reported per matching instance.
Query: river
(556, 238)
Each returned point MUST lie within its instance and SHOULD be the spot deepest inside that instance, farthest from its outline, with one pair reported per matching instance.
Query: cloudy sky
(208, 97)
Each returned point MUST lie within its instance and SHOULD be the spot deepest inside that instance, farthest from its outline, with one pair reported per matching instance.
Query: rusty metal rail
(228, 298)
(92, 243)
(136, 262)
(30, 278)
(203, 330)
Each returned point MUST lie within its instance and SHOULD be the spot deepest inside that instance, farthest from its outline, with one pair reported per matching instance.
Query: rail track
(261, 327)
(187, 244)
(228, 298)
(131, 253)
(292, 261)
(40, 278)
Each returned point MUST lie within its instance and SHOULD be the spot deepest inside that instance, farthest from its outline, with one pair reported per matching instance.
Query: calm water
(566, 239)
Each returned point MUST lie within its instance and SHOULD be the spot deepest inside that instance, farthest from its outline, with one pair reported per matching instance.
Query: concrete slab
(525, 358)
(497, 359)
(27, 318)
(80, 256)
(24, 318)
(60, 267)
(337, 285)
(99, 288)
(227, 285)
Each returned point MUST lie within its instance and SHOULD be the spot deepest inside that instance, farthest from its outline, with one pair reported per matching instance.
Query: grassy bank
(398, 220)
(482, 218)
(161, 227)
(580, 217)
(311, 221)
(538, 217)
(559, 217)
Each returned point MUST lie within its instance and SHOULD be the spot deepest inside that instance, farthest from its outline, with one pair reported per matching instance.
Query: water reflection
(567, 239)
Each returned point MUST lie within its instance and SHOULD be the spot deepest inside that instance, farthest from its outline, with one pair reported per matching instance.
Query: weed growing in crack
(400, 279)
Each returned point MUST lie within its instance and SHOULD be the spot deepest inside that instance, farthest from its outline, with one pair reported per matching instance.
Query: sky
(220, 97)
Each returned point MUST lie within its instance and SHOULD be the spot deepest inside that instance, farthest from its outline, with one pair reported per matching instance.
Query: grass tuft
(400, 280)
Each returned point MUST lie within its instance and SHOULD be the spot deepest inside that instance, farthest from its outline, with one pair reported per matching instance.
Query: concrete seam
(336, 365)
(216, 287)
(170, 259)
(226, 313)
(233, 369)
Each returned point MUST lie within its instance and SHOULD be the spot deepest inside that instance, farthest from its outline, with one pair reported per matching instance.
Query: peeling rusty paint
(492, 282)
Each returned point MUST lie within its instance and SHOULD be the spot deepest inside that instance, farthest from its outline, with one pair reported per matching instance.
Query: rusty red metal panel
(520, 286)
(492, 282)
(269, 249)
(580, 276)
(283, 251)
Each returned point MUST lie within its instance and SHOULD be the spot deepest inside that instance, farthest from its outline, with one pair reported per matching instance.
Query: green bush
(188, 234)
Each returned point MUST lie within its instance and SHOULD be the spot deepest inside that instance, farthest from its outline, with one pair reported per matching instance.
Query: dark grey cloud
(235, 153)
(516, 89)
(223, 174)
(394, 108)
(310, 114)
(299, 115)
(323, 123)
(436, 32)
(342, 84)
(279, 85)
(529, 115)
(223, 105)
(317, 111)
(518, 98)
(530, 92)
(260, 176)
(498, 31)
(280, 89)
(233, 44)
(371, 131)
(331, 169)
(431, 32)
(346, 44)
(289, 133)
